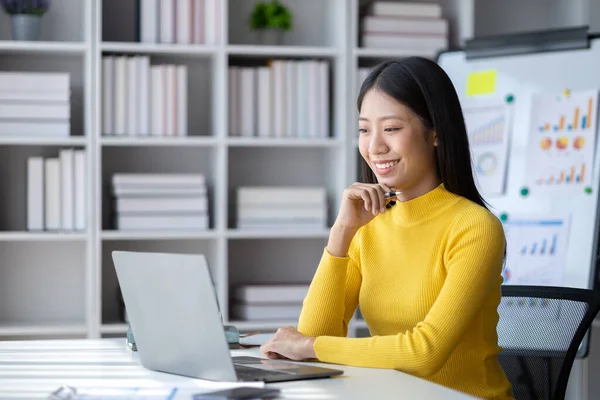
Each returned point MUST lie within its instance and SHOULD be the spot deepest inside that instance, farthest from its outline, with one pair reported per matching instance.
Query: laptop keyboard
(255, 374)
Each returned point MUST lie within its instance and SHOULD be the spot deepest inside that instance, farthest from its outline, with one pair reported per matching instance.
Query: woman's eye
(362, 130)
(391, 129)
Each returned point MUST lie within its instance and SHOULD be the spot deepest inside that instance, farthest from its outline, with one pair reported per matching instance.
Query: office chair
(540, 330)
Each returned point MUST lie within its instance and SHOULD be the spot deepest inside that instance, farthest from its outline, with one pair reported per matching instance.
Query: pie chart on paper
(487, 163)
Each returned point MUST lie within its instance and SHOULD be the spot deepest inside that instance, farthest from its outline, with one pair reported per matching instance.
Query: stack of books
(416, 28)
(140, 99)
(56, 192)
(154, 201)
(262, 302)
(266, 207)
(287, 98)
(35, 104)
(179, 21)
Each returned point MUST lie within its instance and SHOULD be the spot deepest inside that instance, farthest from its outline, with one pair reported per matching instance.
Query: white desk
(33, 369)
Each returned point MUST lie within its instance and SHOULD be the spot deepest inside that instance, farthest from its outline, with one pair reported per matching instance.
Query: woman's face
(395, 144)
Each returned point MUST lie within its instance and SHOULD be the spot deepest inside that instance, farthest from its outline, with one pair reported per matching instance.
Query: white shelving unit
(63, 284)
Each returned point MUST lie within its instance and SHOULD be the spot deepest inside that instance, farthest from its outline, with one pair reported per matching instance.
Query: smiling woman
(425, 272)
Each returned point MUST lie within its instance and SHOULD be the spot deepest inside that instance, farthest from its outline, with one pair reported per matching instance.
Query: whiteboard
(522, 77)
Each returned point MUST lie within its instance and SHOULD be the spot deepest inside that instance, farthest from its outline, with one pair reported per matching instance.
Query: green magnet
(510, 98)
(524, 191)
(503, 217)
(588, 190)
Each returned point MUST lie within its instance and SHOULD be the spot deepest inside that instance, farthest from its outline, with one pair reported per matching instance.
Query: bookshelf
(60, 284)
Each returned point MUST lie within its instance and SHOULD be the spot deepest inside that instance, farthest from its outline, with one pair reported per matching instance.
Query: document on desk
(162, 392)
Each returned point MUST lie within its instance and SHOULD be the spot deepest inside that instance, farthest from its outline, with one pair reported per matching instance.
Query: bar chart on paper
(536, 249)
(562, 140)
(487, 128)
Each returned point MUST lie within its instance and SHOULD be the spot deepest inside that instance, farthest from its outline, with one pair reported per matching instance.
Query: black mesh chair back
(540, 330)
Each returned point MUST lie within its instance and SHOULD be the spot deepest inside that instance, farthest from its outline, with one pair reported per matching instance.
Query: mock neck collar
(424, 207)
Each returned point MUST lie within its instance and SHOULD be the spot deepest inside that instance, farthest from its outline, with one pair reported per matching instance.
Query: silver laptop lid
(173, 312)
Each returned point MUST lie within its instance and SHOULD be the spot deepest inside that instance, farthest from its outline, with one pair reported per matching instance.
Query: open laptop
(174, 315)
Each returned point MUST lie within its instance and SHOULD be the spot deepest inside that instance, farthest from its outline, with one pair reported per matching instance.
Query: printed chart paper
(536, 249)
(488, 128)
(562, 138)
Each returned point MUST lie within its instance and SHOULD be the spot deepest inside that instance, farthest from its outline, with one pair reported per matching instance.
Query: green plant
(271, 14)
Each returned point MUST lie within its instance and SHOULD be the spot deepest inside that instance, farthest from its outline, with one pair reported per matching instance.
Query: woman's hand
(361, 202)
(289, 343)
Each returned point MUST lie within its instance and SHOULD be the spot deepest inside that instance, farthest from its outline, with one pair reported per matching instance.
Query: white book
(301, 99)
(33, 111)
(183, 24)
(158, 191)
(157, 99)
(405, 25)
(170, 100)
(52, 191)
(234, 100)
(149, 21)
(248, 101)
(145, 222)
(279, 98)
(132, 179)
(290, 98)
(167, 21)
(34, 81)
(270, 293)
(182, 100)
(35, 128)
(162, 204)
(264, 312)
(264, 94)
(408, 42)
(405, 9)
(324, 99)
(211, 21)
(132, 96)
(120, 96)
(108, 84)
(143, 108)
(67, 183)
(37, 96)
(79, 159)
(199, 21)
(35, 194)
(282, 225)
(282, 213)
(270, 195)
(312, 99)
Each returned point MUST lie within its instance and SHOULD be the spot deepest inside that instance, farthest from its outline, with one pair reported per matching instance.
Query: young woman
(424, 265)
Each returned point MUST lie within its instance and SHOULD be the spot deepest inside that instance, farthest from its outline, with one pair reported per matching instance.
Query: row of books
(178, 21)
(263, 302)
(140, 99)
(56, 192)
(160, 201)
(414, 27)
(287, 98)
(35, 104)
(265, 207)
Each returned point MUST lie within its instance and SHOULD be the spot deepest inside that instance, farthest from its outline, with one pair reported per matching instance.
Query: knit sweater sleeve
(332, 297)
(473, 260)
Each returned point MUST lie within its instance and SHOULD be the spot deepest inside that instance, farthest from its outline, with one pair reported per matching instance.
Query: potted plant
(270, 19)
(25, 17)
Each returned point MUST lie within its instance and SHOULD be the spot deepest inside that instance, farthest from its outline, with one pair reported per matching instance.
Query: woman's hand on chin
(290, 344)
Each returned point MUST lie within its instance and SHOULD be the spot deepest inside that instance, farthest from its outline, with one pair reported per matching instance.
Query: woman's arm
(333, 294)
(474, 264)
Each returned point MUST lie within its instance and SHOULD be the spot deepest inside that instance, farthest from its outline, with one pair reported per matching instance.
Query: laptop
(174, 316)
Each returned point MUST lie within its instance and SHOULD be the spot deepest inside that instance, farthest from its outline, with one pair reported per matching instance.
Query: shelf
(281, 142)
(360, 324)
(23, 236)
(42, 141)
(113, 328)
(283, 51)
(159, 141)
(9, 46)
(158, 48)
(42, 329)
(390, 53)
(288, 233)
(158, 235)
(246, 326)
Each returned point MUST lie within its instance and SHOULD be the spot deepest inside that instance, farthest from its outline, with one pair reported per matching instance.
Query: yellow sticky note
(482, 82)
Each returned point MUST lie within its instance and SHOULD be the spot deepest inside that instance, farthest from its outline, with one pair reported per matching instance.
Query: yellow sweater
(427, 275)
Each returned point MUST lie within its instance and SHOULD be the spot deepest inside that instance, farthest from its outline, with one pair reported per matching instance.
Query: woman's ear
(435, 138)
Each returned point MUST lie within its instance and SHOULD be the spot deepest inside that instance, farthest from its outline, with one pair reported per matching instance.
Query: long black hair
(423, 86)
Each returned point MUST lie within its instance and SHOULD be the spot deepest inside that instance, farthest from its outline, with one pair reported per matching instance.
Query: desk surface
(33, 369)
